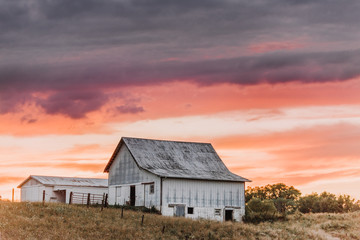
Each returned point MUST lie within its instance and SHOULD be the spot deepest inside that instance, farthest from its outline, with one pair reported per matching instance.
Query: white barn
(58, 189)
(178, 178)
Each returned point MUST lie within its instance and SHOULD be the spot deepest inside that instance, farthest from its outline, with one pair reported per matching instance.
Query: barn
(178, 178)
(59, 189)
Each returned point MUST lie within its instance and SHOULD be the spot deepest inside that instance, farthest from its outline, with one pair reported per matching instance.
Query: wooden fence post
(43, 200)
(71, 195)
(106, 200)
(103, 202)
(122, 212)
(142, 220)
(12, 199)
(88, 200)
(163, 229)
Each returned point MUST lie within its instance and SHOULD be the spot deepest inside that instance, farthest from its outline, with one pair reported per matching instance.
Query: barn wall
(120, 194)
(124, 169)
(124, 173)
(32, 191)
(35, 193)
(204, 197)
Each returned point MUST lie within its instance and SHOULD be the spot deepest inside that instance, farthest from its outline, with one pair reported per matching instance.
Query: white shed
(178, 178)
(58, 189)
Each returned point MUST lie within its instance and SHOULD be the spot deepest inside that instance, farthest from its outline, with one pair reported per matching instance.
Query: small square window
(152, 188)
(190, 210)
(217, 212)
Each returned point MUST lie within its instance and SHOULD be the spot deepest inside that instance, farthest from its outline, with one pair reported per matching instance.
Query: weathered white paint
(125, 173)
(204, 196)
(32, 190)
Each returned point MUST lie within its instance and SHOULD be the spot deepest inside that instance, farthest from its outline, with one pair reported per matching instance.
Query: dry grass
(57, 221)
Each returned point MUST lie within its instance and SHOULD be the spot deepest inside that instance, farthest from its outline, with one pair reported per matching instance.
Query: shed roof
(67, 181)
(175, 159)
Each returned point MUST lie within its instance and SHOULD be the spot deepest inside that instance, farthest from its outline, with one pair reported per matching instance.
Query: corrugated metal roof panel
(68, 181)
(179, 159)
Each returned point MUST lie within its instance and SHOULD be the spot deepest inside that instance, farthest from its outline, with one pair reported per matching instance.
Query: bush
(261, 201)
(258, 210)
(327, 202)
(306, 204)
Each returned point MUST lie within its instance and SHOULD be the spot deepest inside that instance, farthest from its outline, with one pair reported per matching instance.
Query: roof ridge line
(66, 177)
(162, 140)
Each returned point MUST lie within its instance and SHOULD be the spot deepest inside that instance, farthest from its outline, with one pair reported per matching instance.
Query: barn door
(132, 195)
(228, 215)
(179, 211)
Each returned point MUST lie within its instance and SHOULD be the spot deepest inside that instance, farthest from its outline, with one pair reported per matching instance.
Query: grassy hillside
(57, 221)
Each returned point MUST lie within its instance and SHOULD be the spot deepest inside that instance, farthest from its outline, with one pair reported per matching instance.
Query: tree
(347, 204)
(284, 197)
(279, 190)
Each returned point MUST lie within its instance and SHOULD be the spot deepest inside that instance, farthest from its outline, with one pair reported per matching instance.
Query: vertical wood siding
(123, 173)
(204, 197)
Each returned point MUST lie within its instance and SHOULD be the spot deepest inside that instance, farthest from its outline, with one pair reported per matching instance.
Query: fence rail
(87, 198)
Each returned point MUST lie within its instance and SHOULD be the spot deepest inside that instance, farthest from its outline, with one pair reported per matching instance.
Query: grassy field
(58, 221)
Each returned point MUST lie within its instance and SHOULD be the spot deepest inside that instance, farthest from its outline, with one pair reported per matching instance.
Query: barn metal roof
(67, 181)
(175, 159)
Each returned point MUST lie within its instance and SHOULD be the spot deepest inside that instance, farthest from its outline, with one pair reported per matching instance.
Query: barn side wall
(35, 193)
(209, 199)
(123, 174)
(32, 191)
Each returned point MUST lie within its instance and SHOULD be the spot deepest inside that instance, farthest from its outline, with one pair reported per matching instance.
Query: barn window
(152, 188)
(190, 210)
(217, 212)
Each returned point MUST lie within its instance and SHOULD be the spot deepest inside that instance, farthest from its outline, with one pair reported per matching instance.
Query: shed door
(228, 215)
(180, 210)
(132, 195)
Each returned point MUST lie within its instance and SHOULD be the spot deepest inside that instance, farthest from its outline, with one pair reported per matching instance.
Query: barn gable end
(30, 182)
(124, 169)
(125, 174)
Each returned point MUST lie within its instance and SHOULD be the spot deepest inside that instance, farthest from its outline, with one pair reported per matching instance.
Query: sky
(273, 85)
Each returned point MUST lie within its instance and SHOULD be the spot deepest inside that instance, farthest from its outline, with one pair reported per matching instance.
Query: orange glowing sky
(278, 97)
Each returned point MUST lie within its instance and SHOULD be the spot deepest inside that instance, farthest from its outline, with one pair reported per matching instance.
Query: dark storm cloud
(184, 23)
(74, 104)
(10, 101)
(76, 49)
(271, 67)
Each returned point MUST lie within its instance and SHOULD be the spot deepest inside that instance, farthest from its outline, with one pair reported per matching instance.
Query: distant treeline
(274, 202)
